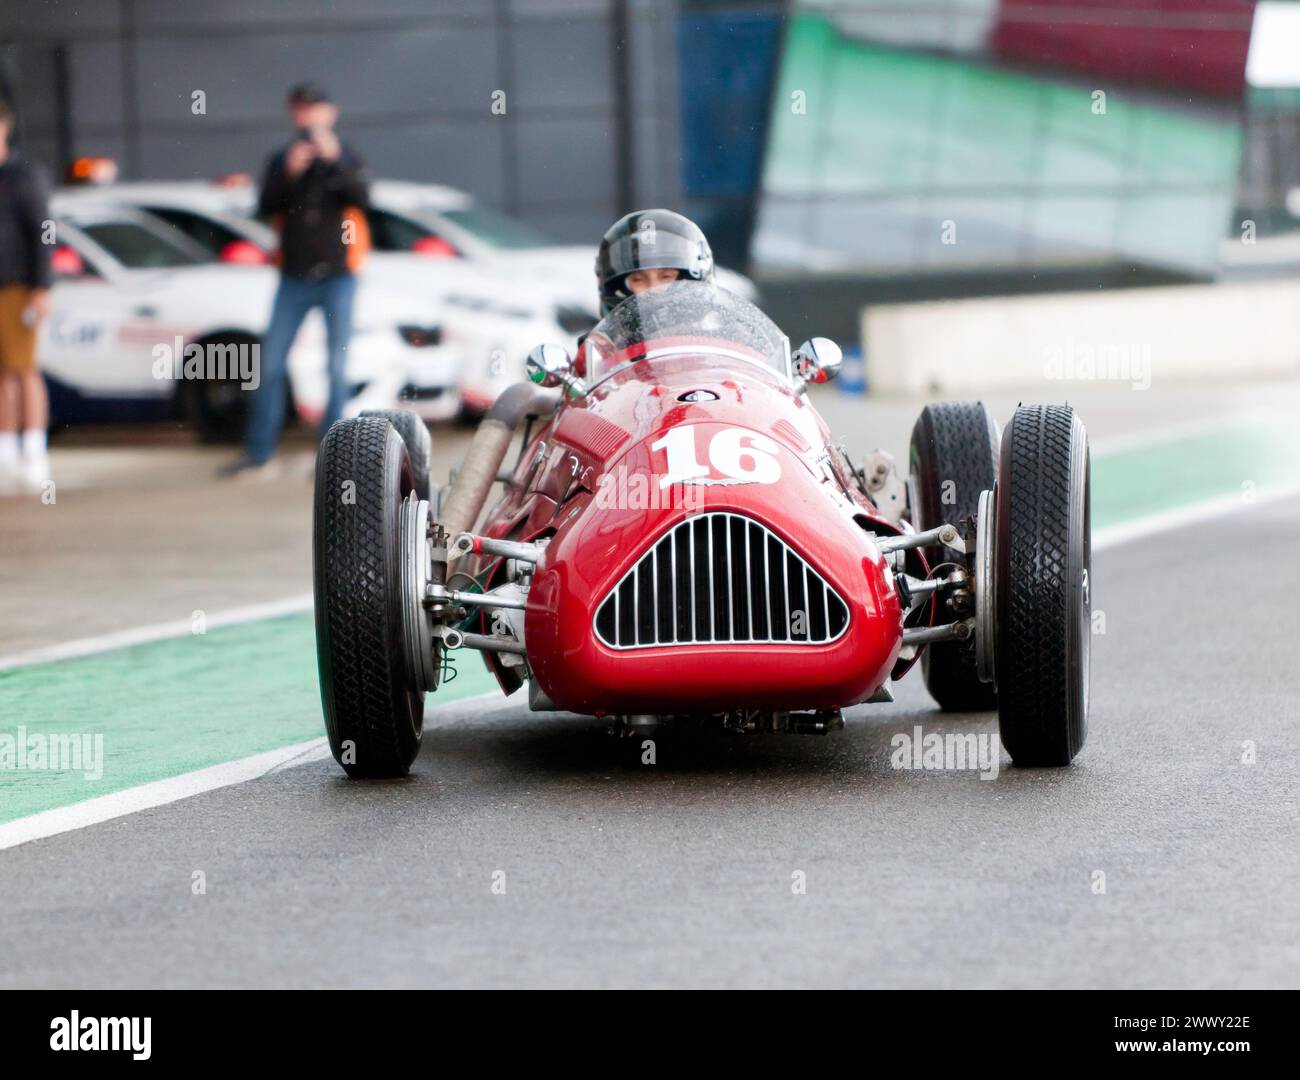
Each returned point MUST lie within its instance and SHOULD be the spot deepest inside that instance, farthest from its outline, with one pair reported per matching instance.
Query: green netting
(859, 128)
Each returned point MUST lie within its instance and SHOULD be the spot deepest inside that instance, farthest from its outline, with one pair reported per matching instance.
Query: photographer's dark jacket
(310, 210)
(24, 210)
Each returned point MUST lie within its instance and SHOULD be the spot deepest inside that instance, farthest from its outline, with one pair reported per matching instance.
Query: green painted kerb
(1245, 461)
(168, 707)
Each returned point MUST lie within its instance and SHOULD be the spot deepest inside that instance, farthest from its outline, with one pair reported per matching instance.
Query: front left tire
(1042, 567)
(419, 444)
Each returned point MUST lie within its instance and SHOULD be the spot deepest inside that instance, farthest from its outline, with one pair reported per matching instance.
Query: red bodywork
(815, 507)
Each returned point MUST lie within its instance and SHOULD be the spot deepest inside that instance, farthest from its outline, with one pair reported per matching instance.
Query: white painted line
(1207, 509)
(146, 796)
(139, 635)
(64, 819)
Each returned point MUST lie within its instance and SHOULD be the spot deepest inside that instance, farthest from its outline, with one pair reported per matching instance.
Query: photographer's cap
(307, 93)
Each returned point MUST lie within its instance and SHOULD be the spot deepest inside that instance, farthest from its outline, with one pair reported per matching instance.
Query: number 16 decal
(740, 456)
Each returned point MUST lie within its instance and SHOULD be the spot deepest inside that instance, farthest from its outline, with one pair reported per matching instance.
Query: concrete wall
(414, 79)
(1135, 337)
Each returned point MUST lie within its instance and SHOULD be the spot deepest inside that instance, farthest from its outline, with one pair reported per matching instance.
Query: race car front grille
(720, 578)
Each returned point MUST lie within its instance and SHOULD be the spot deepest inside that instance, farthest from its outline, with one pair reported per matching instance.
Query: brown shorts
(17, 340)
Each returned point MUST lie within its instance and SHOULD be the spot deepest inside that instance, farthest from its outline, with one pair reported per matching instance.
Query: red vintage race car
(681, 536)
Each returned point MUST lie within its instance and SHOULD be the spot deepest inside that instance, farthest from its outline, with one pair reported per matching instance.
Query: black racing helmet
(649, 240)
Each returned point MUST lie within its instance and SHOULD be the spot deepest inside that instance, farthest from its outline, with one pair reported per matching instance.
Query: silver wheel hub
(985, 600)
(422, 659)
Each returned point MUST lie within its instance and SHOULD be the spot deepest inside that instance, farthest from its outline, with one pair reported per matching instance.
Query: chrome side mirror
(551, 365)
(817, 360)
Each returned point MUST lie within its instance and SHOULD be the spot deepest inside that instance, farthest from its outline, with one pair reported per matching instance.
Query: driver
(649, 249)
(643, 251)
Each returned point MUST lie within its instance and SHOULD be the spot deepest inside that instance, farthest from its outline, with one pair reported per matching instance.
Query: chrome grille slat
(807, 604)
(767, 577)
(655, 574)
(725, 577)
(733, 614)
(785, 593)
(667, 544)
(672, 576)
(690, 550)
(708, 580)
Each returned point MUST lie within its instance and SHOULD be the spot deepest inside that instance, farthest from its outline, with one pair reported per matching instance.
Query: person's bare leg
(35, 402)
(35, 417)
(9, 402)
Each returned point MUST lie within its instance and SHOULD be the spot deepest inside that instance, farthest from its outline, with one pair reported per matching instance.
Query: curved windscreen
(688, 317)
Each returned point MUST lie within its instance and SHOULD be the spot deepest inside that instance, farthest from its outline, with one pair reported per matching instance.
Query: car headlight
(420, 337)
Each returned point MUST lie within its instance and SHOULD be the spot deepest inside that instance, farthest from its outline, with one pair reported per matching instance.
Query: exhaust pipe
(487, 450)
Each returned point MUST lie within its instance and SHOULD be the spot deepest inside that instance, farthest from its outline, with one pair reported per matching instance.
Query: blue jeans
(293, 300)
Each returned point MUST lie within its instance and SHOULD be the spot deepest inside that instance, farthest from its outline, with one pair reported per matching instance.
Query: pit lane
(681, 873)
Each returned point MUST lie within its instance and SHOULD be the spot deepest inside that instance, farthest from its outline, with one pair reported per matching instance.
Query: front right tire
(374, 716)
(953, 458)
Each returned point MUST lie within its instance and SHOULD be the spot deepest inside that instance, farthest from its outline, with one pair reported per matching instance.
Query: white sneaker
(35, 473)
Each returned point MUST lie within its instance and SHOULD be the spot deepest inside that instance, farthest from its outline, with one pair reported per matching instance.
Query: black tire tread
(952, 441)
(363, 680)
(419, 444)
(1037, 724)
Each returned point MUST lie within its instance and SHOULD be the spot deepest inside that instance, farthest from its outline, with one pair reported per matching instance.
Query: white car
(505, 286)
(130, 297)
(492, 313)
(452, 226)
(438, 220)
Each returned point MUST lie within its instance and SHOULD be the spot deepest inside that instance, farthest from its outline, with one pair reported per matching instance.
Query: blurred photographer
(315, 191)
(24, 302)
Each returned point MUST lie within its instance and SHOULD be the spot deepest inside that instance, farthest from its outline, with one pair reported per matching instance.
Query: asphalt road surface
(536, 850)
